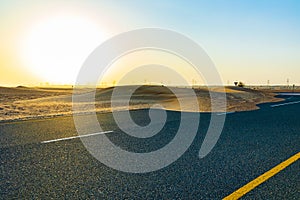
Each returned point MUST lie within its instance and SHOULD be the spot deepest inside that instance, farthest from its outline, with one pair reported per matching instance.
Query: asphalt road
(251, 143)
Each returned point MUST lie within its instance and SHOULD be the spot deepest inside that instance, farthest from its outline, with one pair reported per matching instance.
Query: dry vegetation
(25, 103)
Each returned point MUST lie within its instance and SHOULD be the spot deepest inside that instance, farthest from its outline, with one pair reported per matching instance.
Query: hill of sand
(25, 103)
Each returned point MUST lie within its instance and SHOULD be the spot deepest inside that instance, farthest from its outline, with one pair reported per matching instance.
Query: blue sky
(252, 41)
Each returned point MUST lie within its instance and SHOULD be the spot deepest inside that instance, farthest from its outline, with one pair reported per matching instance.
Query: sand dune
(24, 103)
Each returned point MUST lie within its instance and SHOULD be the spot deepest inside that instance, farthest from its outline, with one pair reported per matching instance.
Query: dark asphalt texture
(251, 143)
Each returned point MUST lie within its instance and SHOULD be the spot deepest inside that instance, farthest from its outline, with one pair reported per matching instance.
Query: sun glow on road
(55, 48)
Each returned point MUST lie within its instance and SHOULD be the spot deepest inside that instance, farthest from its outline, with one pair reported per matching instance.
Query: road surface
(251, 143)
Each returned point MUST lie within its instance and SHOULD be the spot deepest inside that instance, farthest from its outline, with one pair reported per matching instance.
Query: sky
(251, 41)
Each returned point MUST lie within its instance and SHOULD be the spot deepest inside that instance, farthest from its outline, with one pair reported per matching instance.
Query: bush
(241, 84)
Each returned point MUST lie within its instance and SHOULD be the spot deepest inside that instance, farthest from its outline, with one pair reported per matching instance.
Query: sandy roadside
(28, 103)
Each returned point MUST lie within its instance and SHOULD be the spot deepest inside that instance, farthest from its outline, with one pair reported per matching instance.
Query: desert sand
(23, 103)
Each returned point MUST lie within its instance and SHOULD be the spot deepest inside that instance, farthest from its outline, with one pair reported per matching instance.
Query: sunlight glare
(55, 48)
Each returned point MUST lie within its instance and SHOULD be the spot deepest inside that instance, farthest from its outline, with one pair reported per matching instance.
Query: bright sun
(55, 48)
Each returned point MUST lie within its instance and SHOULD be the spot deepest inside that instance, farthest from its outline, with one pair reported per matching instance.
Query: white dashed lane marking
(284, 104)
(225, 113)
(74, 137)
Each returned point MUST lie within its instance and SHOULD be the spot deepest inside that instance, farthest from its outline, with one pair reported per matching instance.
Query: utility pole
(293, 88)
(288, 83)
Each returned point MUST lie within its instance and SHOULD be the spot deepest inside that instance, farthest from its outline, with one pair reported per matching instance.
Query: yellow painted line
(262, 178)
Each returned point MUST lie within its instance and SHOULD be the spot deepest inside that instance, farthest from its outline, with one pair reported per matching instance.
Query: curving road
(251, 143)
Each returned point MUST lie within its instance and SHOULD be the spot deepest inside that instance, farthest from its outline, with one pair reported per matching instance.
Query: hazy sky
(252, 41)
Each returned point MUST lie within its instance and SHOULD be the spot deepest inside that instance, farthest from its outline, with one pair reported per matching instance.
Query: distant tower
(193, 82)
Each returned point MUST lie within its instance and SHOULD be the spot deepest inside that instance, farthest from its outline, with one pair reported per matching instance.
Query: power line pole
(293, 88)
